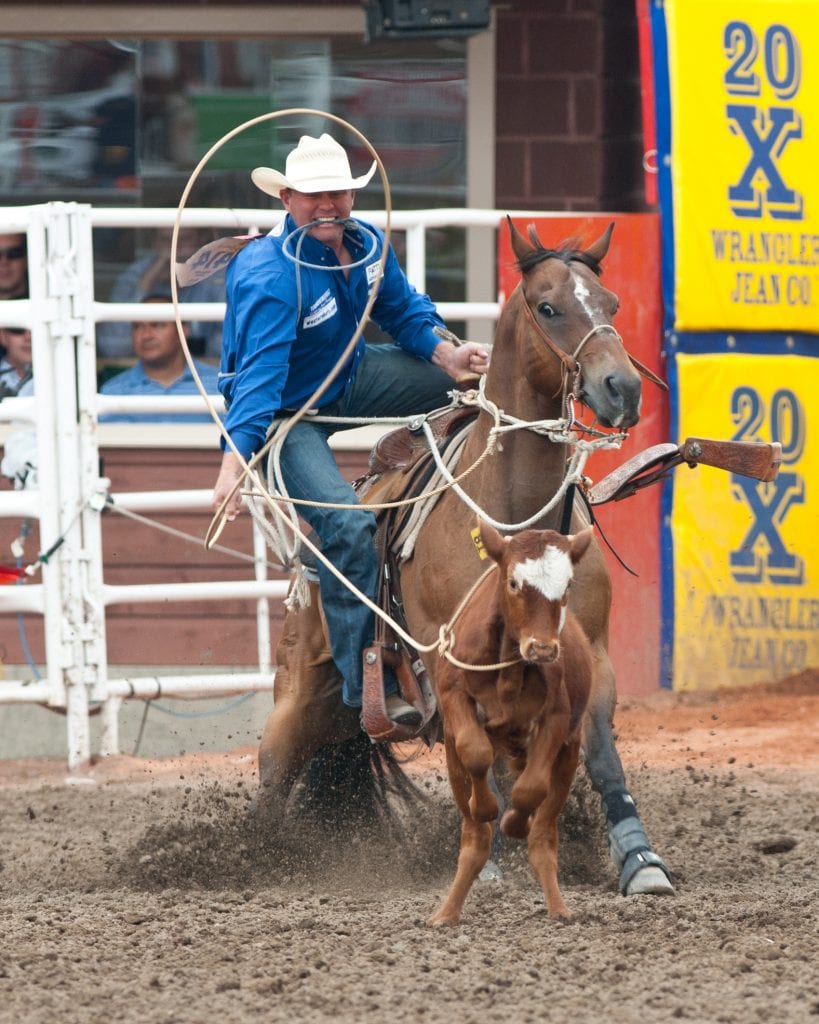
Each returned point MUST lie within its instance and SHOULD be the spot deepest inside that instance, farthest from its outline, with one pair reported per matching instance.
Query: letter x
(769, 503)
(782, 125)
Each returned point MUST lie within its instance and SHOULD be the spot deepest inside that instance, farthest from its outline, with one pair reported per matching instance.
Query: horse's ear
(579, 543)
(598, 249)
(520, 247)
(493, 542)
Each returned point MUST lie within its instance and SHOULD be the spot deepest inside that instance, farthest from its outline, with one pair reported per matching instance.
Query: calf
(528, 707)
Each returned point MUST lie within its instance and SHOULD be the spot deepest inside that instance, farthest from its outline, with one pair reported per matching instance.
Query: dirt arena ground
(139, 892)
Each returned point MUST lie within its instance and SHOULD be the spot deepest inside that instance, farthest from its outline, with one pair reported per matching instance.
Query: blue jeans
(388, 383)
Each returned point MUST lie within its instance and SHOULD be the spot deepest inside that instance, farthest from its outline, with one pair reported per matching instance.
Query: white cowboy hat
(315, 165)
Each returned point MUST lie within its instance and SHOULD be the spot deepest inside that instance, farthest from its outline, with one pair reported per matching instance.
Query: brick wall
(569, 133)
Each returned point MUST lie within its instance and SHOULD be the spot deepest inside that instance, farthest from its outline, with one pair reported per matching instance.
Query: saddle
(403, 447)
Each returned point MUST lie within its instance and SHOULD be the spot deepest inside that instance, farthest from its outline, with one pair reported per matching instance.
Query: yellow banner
(744, 89)
(746, 557)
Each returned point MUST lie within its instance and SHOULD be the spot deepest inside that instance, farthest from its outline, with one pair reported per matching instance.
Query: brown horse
(555, 327)
(517, 684)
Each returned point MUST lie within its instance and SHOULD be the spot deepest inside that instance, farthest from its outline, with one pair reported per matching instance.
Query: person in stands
(15, 342)
(294, 299)
(160, 369)
(15, 362)
(13, 267)
(152, 272)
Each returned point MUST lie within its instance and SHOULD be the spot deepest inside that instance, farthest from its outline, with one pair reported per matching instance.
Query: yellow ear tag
(476, 540)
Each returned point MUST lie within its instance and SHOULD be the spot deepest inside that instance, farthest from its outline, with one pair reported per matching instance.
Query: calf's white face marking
(550, 575)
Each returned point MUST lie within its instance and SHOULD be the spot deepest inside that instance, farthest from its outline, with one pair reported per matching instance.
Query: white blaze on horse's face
(550, 574)
(583, 296)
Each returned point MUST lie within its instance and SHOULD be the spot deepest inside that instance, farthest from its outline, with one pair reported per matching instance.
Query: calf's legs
(543, 833)
(476, 840)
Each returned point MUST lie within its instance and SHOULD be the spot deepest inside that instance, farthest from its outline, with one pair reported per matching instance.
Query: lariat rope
(562, 429)
(286, 544)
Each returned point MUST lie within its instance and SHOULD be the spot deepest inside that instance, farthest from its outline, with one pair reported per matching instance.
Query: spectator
(152, 271)
(15, 362)
(13, 267)
(161, 369)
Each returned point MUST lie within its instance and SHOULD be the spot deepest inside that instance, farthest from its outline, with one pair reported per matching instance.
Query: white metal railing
(73, 595)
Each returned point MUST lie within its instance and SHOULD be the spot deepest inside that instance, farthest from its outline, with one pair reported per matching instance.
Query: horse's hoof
(649, 881)
(490, 872)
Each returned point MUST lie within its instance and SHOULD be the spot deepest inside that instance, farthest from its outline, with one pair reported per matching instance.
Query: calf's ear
(579, 542)
(493, 542)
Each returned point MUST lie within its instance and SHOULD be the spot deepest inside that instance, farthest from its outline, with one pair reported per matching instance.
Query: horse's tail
(358, 782)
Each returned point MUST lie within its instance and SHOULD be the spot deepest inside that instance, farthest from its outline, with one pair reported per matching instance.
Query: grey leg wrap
(628, 844)
(630, 850)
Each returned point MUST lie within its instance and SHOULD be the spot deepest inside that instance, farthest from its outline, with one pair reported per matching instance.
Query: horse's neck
(527, 468)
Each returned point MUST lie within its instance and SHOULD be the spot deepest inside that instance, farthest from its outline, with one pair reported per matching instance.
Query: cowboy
(294, 300)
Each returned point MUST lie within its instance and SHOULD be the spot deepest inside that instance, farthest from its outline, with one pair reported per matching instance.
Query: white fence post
(65, 263)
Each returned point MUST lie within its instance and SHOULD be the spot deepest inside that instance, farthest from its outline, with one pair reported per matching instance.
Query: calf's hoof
(515, 824)
(441, 919)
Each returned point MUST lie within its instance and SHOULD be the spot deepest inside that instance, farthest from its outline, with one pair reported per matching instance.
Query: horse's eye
(546, 310)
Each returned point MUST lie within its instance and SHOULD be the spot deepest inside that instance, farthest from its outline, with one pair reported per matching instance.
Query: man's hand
(230, 472)
(459, 360)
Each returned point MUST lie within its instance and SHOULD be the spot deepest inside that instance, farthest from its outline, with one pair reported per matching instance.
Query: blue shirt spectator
(161, 369)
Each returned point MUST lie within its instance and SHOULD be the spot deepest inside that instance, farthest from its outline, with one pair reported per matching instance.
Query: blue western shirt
(287, 325)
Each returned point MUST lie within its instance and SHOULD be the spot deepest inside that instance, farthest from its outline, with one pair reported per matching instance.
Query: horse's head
(536, 570)
(568, 315)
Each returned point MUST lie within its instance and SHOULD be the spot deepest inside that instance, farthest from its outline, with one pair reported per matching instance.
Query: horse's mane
(567, 251)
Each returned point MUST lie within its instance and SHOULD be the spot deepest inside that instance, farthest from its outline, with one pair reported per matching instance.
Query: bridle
(571, 366)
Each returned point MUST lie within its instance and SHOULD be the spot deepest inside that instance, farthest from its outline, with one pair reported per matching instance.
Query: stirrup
(377, 724)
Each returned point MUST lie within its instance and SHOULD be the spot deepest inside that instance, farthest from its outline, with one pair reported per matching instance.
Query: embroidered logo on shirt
(322, 309)
(373, 270)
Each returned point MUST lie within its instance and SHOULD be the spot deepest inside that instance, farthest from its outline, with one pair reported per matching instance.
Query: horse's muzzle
(616, 401)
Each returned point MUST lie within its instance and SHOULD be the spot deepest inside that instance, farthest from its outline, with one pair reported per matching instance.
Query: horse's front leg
(641, 870)
(476, 841)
